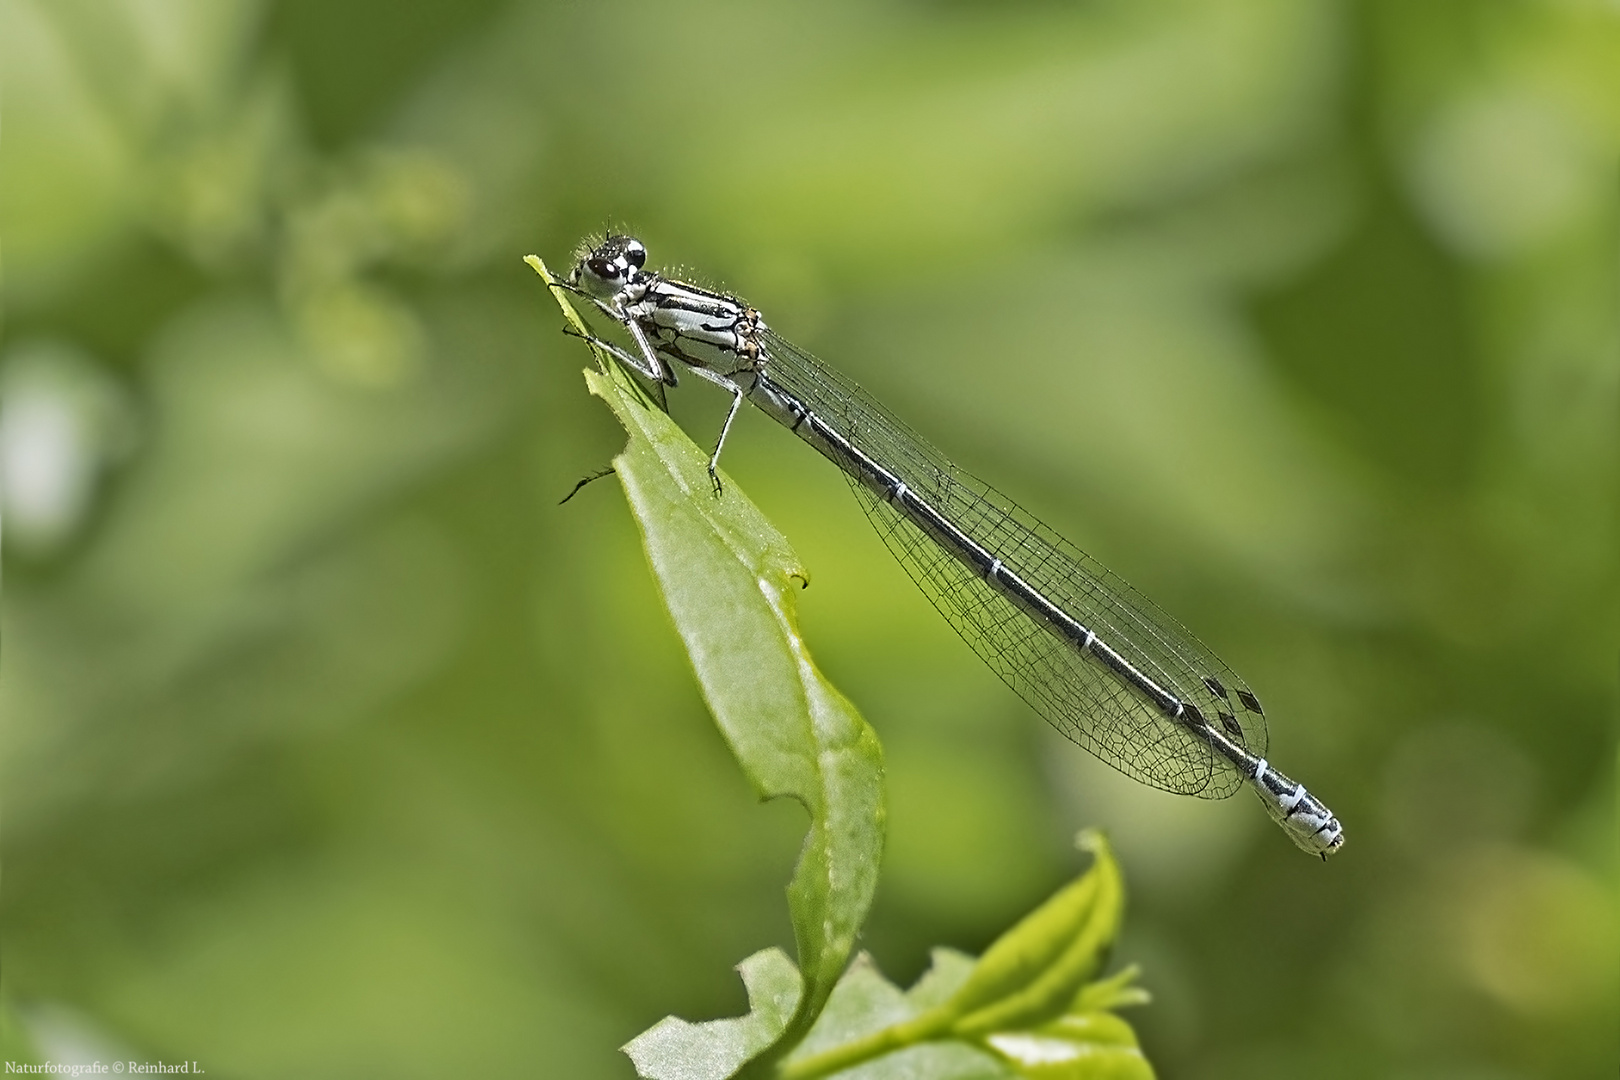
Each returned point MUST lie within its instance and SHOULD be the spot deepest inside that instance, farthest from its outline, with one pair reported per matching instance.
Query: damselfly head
(606, 268)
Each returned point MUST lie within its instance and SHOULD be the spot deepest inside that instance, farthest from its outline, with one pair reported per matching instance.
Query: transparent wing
(1078, 697)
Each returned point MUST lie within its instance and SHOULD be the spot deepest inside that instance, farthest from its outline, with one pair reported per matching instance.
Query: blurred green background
(333, 747)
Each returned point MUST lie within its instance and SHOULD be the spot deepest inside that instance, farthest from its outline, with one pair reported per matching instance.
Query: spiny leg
(622, 355)
(629, 359)
(714, 459)
(597, 475)
(729, 385)
(665, 374)
(613, 311)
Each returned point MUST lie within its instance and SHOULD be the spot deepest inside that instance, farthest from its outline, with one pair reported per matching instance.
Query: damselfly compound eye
(634, 253)
(602, 268)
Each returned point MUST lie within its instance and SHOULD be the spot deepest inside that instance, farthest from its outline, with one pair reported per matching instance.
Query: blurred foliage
(333, 747)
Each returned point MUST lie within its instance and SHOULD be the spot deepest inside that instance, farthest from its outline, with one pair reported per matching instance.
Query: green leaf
(1024, 1009)
(1033, 972)
(674, 1049)
(866, 1033)
(1077, 1046)
(729, 579)
(1085, 1043)
(1115, 992)
(856, 1035)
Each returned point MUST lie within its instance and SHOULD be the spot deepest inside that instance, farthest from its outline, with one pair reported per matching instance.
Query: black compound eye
(635, 254)
(601, 267)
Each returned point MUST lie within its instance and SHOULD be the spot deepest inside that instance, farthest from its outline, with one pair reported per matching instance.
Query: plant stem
(929, 1025)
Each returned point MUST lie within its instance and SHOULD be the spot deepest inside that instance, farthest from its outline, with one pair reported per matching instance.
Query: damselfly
(1095, 658)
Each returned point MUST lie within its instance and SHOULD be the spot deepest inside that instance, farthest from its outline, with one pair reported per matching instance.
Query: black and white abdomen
(1308, 823)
